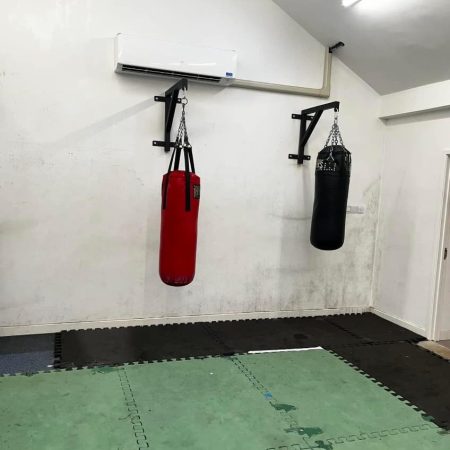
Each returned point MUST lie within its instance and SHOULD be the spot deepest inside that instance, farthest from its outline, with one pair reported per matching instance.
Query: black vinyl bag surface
(333, 168)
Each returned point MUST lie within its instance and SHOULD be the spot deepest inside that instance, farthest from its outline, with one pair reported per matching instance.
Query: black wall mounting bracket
(312, 115)
(170, 98)
(336, 46)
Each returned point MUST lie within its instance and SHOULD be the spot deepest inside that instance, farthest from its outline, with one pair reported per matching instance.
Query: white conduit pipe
(323, 92)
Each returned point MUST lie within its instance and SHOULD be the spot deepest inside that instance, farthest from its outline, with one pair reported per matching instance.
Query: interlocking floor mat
(29, 353)
(82, 410)
(149, 343)
(372, 328)
(27, 343)
(412, 372)
(294, 400)
(81, 348)
(241, 336)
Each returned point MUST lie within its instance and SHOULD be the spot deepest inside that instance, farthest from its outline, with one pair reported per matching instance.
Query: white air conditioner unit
(144, 56)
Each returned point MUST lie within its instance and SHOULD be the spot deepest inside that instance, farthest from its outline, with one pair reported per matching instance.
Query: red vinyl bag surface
(179, 213)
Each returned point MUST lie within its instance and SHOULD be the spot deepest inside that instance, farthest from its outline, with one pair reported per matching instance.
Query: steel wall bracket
(170, 98)
(313, 116)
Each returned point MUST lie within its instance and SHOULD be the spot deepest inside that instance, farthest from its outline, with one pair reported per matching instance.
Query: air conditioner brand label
(229, 74)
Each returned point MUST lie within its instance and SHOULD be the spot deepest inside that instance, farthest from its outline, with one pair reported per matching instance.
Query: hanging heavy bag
(179, 213)
(331, 191)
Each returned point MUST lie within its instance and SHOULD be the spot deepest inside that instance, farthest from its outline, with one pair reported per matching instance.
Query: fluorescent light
(348, 3)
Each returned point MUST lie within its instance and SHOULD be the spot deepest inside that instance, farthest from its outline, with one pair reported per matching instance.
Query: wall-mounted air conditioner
(145, 56)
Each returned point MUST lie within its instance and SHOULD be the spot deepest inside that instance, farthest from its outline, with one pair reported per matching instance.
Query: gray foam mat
(24, 354)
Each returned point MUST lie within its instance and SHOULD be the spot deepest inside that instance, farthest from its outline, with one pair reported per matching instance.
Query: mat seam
(57, 354)
(130, 402)
(285, 415)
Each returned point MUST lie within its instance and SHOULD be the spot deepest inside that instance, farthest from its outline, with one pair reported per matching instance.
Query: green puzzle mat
(271, 401)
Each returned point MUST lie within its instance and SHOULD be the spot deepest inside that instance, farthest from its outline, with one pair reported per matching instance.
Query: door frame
(444, 232)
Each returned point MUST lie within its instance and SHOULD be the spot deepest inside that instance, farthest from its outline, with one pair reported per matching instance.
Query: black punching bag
(331, 191)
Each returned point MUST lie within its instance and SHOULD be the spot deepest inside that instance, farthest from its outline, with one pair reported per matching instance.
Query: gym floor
(348, 382)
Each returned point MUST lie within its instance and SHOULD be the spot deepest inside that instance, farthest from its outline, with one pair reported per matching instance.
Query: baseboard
(444, 335)
(14, 330)
(403, 323)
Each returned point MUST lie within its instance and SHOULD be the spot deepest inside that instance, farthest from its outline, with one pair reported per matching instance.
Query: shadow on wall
(87, 132)
(150, 87)
(297, 256)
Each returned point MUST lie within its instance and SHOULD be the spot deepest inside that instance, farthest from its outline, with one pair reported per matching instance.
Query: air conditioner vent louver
(169, 73)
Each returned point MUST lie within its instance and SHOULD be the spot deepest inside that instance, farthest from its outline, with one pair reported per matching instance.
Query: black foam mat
(80, 348)
(270, 334)
(417, 375)
(111, 346)
(372, 328)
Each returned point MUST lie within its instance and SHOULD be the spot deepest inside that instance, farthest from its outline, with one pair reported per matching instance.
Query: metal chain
(334, 136)
(182, 139)
(334, 139)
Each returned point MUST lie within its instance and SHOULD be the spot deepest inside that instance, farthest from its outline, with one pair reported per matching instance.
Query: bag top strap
(181, 144)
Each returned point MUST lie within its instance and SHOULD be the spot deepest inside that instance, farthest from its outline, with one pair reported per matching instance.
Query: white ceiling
(391, 44)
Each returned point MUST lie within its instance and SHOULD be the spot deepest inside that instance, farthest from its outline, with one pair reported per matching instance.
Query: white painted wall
(412, 207)
(431, 97)
(410, 217)
(80, 180)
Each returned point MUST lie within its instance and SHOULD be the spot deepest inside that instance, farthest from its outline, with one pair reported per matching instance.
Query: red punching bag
(179, 213)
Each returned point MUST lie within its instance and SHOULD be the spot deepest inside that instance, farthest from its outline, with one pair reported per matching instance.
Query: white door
(443, 319)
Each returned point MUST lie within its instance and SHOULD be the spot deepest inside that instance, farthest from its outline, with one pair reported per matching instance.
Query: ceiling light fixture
(348, 3)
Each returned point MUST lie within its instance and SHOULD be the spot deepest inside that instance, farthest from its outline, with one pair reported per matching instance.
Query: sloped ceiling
(391, 44)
